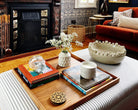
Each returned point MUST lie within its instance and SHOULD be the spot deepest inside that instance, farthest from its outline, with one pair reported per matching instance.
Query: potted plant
(64, 43)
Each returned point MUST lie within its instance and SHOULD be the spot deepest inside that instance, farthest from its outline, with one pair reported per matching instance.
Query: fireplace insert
(29, 31)
(32, 24)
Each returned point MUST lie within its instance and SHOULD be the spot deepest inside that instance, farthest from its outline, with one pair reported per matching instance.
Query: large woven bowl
(106, 52)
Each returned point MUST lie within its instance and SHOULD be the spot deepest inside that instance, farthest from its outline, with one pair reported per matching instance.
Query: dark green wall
(114, 6)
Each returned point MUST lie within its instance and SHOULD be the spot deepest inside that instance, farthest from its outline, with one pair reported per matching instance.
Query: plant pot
(64, 59)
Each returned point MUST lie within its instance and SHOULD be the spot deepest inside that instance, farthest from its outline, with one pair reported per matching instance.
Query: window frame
(85, 5)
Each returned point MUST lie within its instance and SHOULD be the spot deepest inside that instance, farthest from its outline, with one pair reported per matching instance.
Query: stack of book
(34, 79)
(72, 75)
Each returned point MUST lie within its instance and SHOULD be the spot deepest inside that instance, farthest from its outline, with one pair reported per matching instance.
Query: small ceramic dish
(106, 52)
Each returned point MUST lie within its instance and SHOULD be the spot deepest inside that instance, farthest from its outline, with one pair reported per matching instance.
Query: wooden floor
(7, 65)
(85, 44)
(13, 62)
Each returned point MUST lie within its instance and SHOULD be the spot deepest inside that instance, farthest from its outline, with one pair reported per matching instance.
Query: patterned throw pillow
(116, 14)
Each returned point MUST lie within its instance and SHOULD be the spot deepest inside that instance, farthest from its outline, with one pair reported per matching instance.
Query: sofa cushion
(116, 15)
(135, 10)
(116, 32)
(128, 22)
(107, 22)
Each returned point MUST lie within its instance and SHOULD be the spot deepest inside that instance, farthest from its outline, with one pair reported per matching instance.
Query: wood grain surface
(13, 61)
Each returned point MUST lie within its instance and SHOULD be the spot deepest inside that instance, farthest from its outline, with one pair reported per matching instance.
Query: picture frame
(118, 1)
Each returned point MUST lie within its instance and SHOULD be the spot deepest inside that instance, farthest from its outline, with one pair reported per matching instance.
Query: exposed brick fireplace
(32, 23)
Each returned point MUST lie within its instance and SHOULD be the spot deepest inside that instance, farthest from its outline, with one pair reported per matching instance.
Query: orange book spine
(25, 72)
(31, 78)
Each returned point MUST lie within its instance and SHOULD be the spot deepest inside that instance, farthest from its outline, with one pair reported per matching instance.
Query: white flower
(79, 43)
(65, 41)
(75, 34)
(62, 35)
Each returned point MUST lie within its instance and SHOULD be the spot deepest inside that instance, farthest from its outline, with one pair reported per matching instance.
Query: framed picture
(118, 1)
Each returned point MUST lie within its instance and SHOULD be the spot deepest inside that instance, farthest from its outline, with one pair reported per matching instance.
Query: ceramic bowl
(106, 52)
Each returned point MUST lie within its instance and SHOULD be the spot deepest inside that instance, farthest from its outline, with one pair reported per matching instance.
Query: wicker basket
(79, 29)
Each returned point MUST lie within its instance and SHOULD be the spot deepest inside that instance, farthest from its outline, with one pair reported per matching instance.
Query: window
(85, 3)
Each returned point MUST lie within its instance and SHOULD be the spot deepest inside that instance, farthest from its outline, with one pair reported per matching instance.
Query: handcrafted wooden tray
(41, 95)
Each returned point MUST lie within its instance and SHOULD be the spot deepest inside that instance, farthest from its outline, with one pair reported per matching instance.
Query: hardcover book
(73, 76)
(32, 78)
(83, 90)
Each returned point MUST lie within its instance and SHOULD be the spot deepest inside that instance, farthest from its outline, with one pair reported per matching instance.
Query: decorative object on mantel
(58, 98)
(106, 52)
(64, 43)
(104, 8)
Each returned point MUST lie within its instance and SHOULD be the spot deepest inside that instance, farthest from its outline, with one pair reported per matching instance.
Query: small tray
(41, 95)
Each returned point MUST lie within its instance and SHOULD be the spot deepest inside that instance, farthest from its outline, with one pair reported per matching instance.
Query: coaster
(58, 98)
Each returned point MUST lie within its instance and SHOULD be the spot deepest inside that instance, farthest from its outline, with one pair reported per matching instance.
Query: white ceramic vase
(64, 59)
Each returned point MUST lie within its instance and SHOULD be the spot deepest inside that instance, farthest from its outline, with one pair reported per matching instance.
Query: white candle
(88, 69)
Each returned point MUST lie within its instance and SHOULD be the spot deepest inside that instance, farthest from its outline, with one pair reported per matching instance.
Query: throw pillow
(116, 15)
(128, 22)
